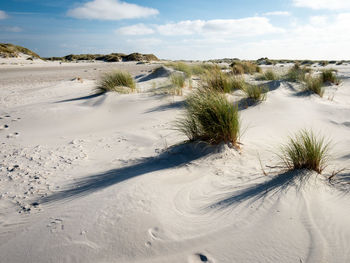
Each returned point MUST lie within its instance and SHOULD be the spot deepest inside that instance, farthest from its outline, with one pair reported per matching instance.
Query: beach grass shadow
(341, 182)
(175, 156)
(98, 94)
(168, 106)
(278, 184)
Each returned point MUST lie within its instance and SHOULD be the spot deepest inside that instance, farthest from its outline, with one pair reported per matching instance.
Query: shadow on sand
(278, 184)
(168, 106)
(173, 157)
(245, 103)
(83, 98)
(160, 72)
(341, 182)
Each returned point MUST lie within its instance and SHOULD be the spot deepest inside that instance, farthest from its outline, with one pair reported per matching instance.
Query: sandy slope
(113, 184)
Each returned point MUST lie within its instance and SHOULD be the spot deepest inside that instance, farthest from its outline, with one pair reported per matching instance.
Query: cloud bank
(110, 10)
(323, 4)
(251, 26)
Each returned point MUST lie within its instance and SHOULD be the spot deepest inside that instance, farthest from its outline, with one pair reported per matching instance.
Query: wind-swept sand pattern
(88, 177)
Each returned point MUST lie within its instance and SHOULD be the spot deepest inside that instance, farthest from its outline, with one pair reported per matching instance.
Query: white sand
(111, 190)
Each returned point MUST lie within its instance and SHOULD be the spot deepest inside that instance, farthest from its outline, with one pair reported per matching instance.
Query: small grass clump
(178, 82)
(203, 68)
(305, 151)
(192, 69)
(244, 67)
(255, 93)
(329, 76)
(181, 66)
(323, 63)
(297, 73)
(222, 82)
(118, 81)
(237, 83)
(268, 75)
(210, 117)
(314, 85)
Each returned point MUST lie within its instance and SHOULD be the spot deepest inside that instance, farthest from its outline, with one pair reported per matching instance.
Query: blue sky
(250, 29)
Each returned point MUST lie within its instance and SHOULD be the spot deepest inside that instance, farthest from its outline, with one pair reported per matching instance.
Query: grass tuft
(255, 93)
(244, 67)
(297, 73)
(210, 117)
(305, 151)
(192, 69)
(178, 82)
(118, 81)
(220, 81)
(314, 85)
(328, 75)
(268, 75)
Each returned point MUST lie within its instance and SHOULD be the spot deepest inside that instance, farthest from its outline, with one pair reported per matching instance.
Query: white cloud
(110, 10)
(277, 13)
(3, 15)
(251, 26)
(322, 37)
(13, 29)
(319, 20)
(323, 4)
(309, 41)
(135, 30)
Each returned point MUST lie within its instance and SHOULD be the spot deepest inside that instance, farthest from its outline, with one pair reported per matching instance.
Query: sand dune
(105, 178)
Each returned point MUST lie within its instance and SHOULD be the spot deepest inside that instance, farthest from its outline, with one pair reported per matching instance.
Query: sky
(181, 29)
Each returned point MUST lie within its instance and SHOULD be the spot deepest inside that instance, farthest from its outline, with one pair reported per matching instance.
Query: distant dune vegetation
(113, 57)
(13, 51)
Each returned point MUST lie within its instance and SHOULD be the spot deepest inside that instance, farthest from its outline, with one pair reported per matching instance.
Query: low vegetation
(268, 75)
(297, 73)
(118, 81)
(113, 57)
(210, 117)
(305, 150)
(193, 68)
(255, 93)
(221, 81)
(182, 67)
(323, 63)
(178, 83)
(329, 76)
(314, 84)
(244, 67)
(266, 61)
(11, 51)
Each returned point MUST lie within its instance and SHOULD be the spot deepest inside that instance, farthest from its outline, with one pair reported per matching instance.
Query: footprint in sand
(154, 233)
(12, 135)
(148, 244)
(55, 225)
(3, 127)
(198, 258)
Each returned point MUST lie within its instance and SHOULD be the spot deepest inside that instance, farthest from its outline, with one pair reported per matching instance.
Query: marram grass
(305, 150)
(268, 75)
(297, 73)
(220, 81)
(255, 93)
(210, 117)
(329, 75)
(178, 83)
(192, 69)
(118, 81)
(314, 85)
(244, 67)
